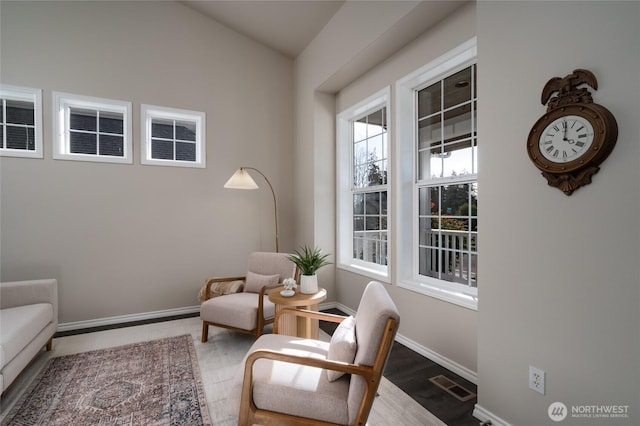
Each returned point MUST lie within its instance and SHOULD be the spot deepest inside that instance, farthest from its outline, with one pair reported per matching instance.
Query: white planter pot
(308, 284)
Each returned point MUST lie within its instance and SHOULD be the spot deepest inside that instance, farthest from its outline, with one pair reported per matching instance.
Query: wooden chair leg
(205, 332)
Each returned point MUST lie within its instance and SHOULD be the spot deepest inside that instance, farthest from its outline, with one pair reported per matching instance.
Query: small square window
(173, 137)
(91, 129)
(20, 122)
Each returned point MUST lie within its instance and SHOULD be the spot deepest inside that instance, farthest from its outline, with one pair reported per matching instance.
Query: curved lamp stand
(243, 180)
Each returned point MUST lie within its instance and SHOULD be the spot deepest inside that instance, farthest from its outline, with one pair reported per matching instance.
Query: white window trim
(149, 112)
(62, 102)
(28, 94)
(344, 204)
(405, 223)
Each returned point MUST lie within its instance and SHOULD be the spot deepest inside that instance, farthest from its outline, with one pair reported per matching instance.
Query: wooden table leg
(307, 327)
(288, 325)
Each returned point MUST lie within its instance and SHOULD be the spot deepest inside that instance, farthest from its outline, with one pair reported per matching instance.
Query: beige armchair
(296, 381)
(250, 310)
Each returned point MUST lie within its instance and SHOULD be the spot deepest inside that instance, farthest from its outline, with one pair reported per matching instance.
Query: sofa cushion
(19, 325)
(291, 388)
(237, 310)
(342, 346)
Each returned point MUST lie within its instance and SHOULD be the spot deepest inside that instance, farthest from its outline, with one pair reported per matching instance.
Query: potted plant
(309, 261)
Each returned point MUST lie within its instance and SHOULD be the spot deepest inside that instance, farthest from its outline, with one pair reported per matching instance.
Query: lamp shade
(241, 180)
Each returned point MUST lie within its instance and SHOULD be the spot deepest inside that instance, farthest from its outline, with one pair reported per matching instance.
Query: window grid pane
(370, 152)
(17, 125)
(370, 149)
(448, 232)
(370, 227)
(96, 132)
(446, 125)
(447, 148)
(173, 140)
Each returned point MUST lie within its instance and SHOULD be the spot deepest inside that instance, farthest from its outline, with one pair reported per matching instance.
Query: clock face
(566, 139)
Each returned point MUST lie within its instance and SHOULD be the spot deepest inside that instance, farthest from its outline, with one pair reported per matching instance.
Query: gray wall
(426, 321)
(131, 239)
(349, 60)
(561, 288)
(559, 274)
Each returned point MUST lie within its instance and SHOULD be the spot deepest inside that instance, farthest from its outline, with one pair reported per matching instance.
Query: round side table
(297, 326)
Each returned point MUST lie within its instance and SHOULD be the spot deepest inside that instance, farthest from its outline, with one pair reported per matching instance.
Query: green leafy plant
(309, 260)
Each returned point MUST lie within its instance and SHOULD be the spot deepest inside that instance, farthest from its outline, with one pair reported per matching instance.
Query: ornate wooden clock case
(575, 136)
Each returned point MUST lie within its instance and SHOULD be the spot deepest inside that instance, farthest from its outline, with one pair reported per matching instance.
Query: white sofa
(28, 321)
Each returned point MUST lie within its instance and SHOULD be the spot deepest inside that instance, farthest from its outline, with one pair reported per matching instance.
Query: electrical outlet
(536, 379)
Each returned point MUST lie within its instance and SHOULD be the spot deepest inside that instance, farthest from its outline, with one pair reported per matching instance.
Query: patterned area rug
(148, 383)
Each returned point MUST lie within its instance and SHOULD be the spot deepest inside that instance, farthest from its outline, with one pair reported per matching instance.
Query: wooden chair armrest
(345, 367)
(211, 281)
(268, 287)
(323, 316)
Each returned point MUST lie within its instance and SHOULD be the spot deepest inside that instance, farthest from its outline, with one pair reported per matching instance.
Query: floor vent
(452, 387)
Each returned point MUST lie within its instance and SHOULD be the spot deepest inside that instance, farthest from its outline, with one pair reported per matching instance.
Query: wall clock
(575, 136)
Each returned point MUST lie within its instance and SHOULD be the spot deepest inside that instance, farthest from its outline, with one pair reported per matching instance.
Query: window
(437, 201)
(447, 151)
(363, 150)
(173, 137)
(91, 129)
(20, 122)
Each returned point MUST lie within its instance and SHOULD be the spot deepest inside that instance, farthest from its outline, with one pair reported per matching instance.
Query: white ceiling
(286, 26)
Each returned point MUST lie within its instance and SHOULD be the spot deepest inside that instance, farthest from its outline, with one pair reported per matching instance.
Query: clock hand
(564, 123)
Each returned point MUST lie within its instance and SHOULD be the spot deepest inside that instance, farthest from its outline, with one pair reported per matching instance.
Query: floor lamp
(243, 180)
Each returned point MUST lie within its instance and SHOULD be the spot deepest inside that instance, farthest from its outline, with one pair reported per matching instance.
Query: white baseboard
(123, 319)
(344, 308)
(445, 362)
(100, 322)
(485, 415)
(450, 365)
(327, 305)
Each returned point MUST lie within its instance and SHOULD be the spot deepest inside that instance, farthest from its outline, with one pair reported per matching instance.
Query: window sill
(93, 158)
(360, 270)
(173, 163)
(456, 297)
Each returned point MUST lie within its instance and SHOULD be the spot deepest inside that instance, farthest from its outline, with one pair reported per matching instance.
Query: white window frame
(344, 180)
(24, 94)
(63, 102)
(406, 203)
(150, 112)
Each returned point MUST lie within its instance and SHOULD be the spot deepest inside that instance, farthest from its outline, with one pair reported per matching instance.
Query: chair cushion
(238, 310)
(290, 388)
(256, 281)
(342, 346)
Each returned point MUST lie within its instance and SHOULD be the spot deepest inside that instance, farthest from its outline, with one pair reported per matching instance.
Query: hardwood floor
(411, 372)
(406, 369)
